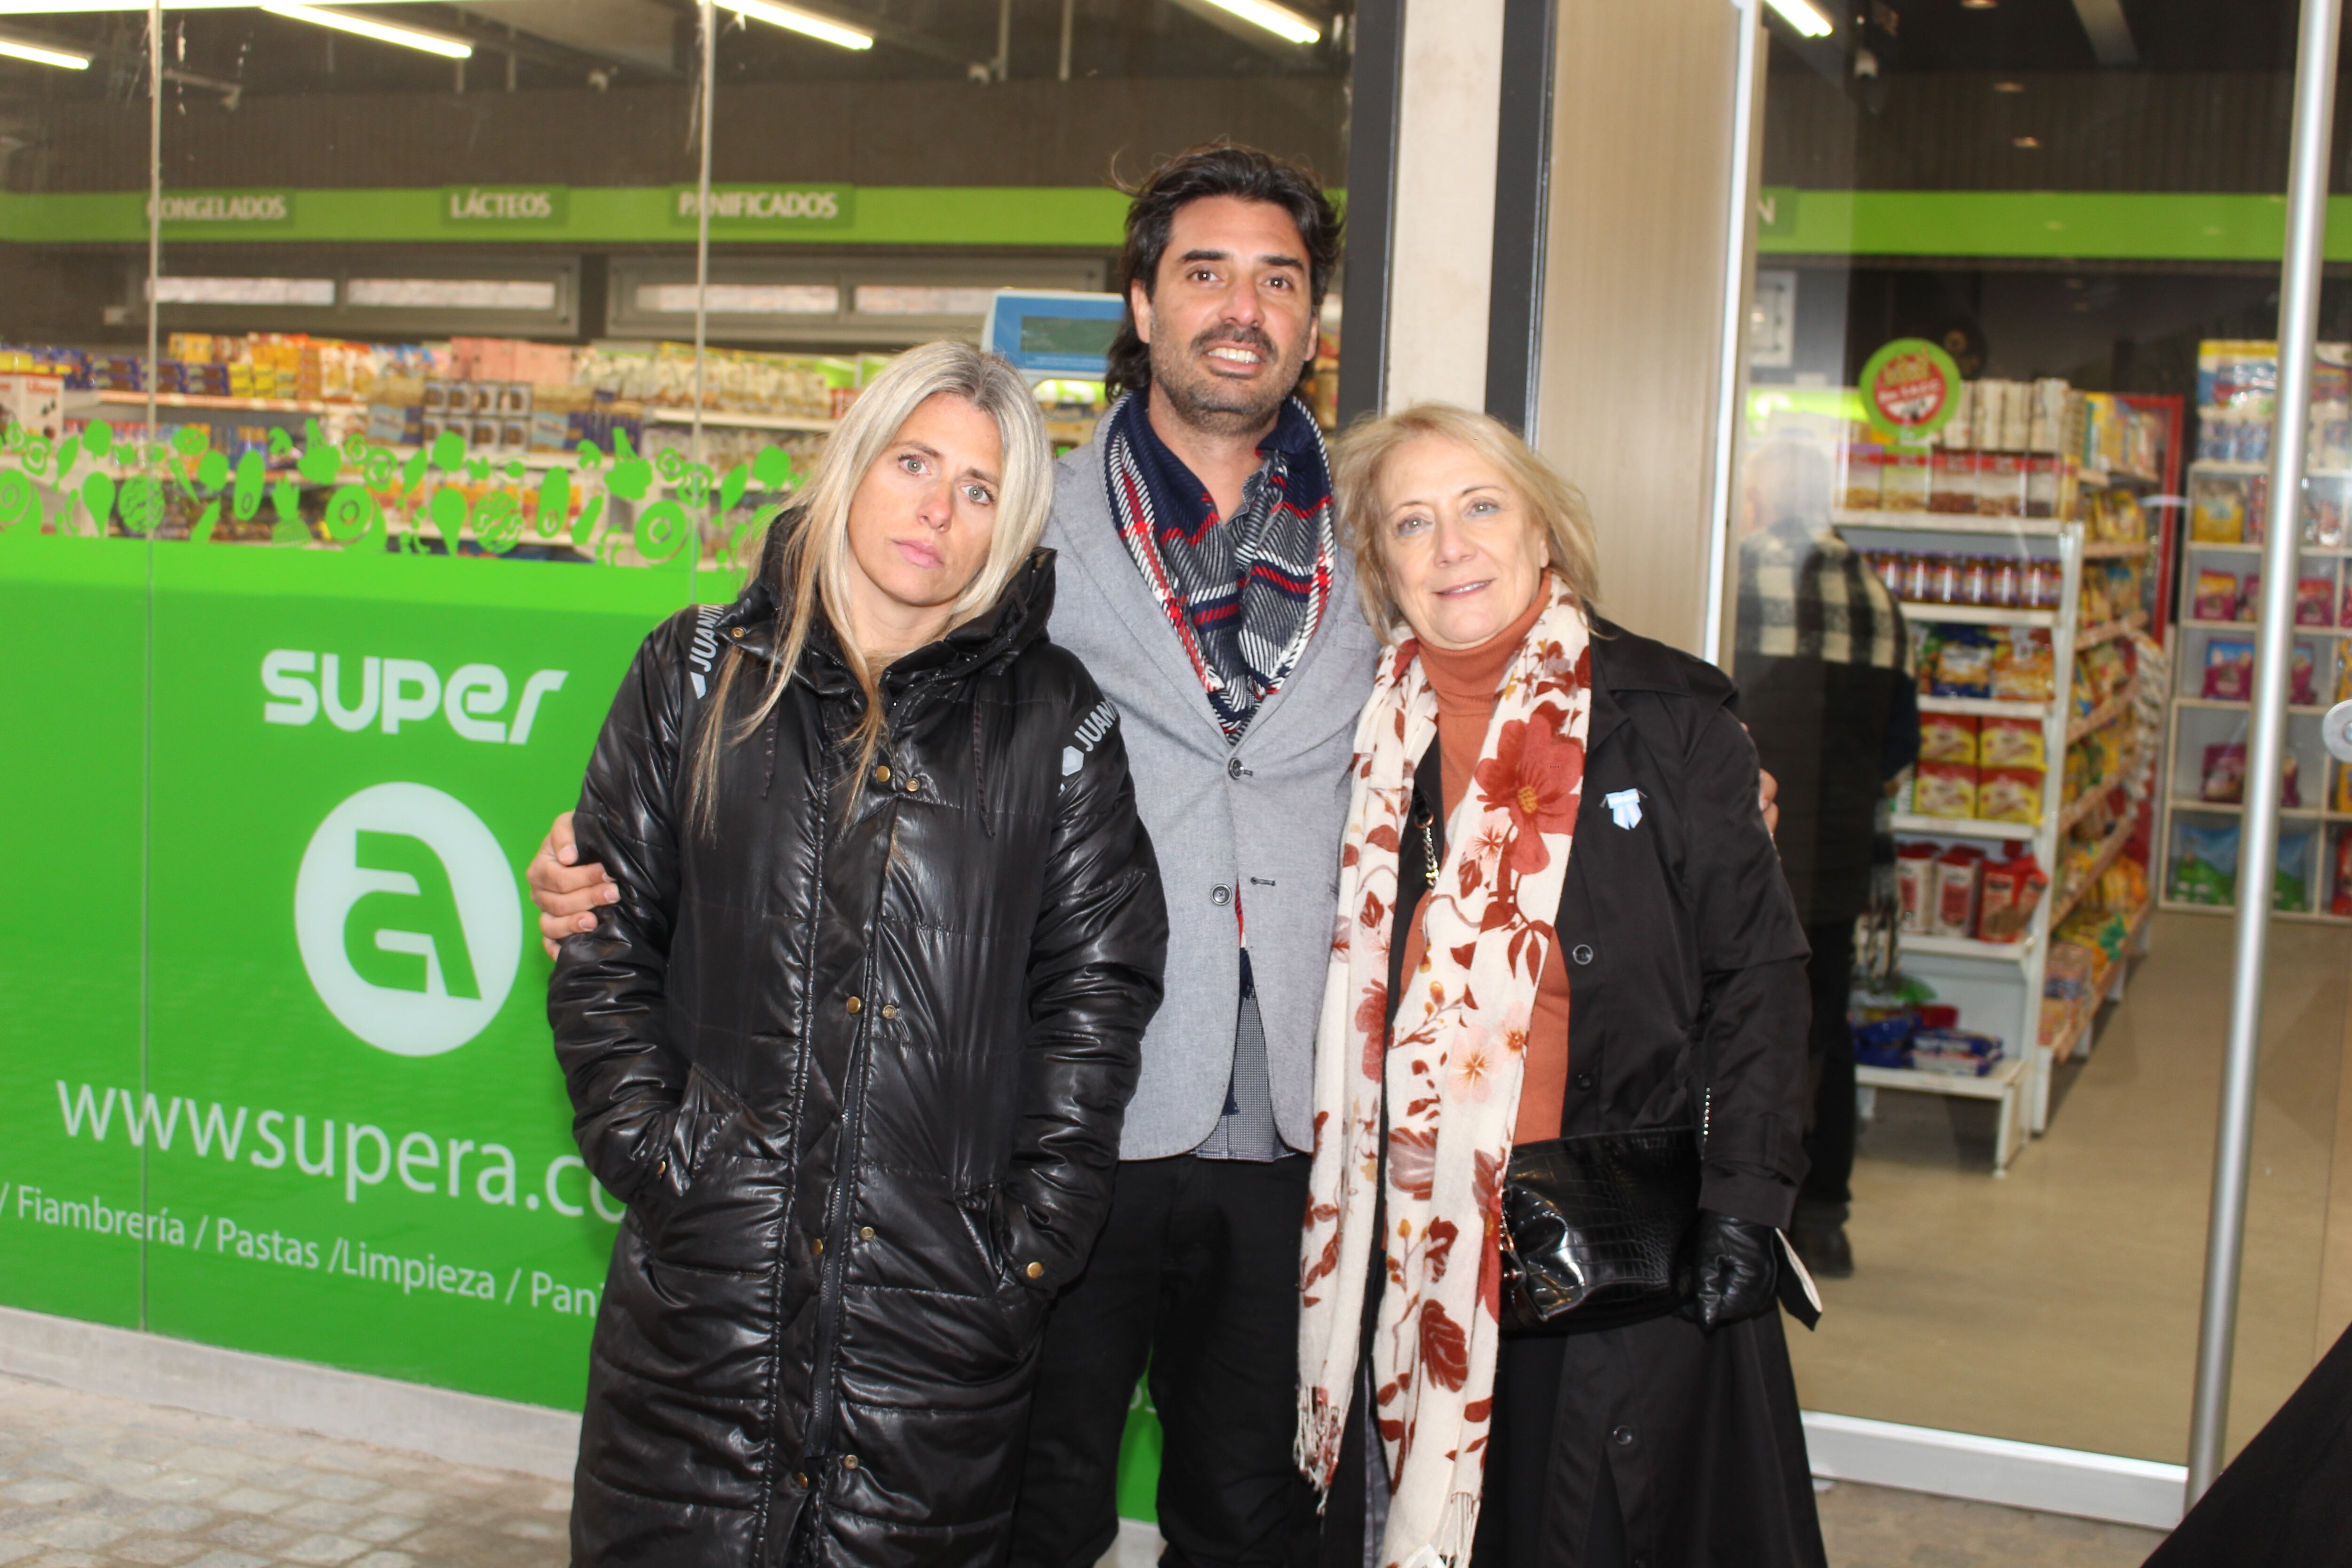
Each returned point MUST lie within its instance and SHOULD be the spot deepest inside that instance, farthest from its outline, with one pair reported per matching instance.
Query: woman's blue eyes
(1475, 508)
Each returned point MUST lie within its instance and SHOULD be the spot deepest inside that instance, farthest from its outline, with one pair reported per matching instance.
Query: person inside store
(1201, 583)
(1822, 660)
(1566, 955)
(854, 1042)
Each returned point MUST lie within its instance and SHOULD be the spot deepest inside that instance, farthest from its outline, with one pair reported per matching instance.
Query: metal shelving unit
(1997, 986)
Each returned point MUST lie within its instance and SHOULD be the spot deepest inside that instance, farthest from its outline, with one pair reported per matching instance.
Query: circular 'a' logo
(405, 911)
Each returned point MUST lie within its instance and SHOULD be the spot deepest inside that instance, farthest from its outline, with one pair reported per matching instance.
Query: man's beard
(1197, 398)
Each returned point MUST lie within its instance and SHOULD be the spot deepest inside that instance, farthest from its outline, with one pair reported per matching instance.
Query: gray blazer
(1263, 819)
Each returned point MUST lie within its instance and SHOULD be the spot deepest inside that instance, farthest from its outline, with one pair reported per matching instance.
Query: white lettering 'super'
(391, 692)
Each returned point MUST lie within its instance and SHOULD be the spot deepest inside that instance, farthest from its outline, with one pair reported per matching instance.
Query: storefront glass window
(449, 404)
(2007, 258)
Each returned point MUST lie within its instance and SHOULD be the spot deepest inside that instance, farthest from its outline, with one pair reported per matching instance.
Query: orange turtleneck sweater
(1467, 681)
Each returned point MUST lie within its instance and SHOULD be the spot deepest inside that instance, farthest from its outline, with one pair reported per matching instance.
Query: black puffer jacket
(860, 1086)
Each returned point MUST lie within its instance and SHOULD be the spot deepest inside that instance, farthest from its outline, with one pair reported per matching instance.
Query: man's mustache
(1241, 337)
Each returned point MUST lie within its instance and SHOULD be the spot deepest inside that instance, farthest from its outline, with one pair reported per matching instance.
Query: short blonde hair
(1361, 462)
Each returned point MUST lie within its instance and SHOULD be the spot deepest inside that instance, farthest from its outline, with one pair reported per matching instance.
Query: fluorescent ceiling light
(59, 8)
(1802, 16)
(16, 50)
(450, 294)
(742, 299)
(243, 291)
(441, 44)
(1282, 22)
(799, 21)
(891, 299)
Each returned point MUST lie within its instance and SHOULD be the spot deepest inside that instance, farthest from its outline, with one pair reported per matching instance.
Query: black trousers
(1196, 1273)
(1829, 1140)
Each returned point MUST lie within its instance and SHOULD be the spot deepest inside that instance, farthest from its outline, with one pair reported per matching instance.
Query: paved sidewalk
(89, 1482)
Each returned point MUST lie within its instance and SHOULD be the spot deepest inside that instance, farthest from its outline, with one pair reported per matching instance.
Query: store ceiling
(240, 49)
(2065, 34)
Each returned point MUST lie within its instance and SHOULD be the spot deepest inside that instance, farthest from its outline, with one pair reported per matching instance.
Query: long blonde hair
(1360, 460)
(814, 565)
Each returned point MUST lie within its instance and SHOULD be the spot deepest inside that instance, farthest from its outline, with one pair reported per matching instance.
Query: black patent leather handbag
(1597, 1229)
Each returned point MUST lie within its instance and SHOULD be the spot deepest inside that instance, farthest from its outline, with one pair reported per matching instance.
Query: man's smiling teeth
(1239, 356)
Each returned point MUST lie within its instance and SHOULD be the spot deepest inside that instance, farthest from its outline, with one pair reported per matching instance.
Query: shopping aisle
(2059, 1304)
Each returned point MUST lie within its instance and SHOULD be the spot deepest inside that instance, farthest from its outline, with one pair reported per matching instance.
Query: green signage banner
(506, 208)
(275, 1072)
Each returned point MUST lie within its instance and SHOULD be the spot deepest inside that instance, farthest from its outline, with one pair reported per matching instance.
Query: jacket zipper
(830, 1270)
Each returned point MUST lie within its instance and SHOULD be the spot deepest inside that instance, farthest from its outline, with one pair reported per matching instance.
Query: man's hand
(568, 895)
(1767, 796)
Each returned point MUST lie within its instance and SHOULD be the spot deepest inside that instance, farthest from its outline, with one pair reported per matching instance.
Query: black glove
(1736, 1264)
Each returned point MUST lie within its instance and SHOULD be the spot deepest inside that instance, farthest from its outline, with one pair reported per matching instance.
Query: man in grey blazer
(1199, 580)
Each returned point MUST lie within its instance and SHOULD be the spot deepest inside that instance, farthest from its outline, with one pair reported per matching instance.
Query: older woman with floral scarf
(1562, 929)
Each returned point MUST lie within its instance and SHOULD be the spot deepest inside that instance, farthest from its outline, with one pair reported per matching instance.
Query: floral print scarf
(1450, 1068)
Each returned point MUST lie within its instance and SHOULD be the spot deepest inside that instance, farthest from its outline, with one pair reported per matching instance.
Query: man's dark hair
(1218, 169)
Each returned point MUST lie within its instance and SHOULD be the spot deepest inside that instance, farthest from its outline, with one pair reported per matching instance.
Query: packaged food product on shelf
(1964, 658)
(2315, 601)
(2217, 510)
(1959, 876)
(2222, 778)
(1915, 877)
(2011, 744)
(2229, 669)
(2216, 596)
(1904, 478)
(2339, 893)
(2024, 667)
(1958, 1052)
(1952, 482)
(2012, 890)
(1860, 486)
(1945, 789)
(1948, 737)
(2009, 794)
(2204, 869)
(2291, 884)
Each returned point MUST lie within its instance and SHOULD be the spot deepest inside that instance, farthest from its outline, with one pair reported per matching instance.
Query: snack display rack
(2078, 584)
(2209, 706)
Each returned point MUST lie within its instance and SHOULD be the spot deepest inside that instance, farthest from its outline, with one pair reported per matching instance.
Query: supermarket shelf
(2216, 466)
(2108, 478)
(727, 419)
(2216, 704)
(2115, 549)
(2006, 1084)
(2301, 630)
(1963, 827)
(2305, 917)
(2082, 805)
(1967, 947)
(2102, 982)
(2107, 631)
(1947, 523)
(1985, 707)
(2108, 851)
(2237, 808)
(1976, 614)
(1991, 1086)
(239, 404)
(2242, 547)
(2098, 718)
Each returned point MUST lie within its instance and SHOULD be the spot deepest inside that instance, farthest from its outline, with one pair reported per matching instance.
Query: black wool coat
(1688, 1004)
(856, 1059)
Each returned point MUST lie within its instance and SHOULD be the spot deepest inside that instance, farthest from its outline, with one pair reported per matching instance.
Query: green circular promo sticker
(1909, 388)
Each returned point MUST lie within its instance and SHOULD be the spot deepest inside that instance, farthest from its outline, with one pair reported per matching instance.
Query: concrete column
(1449, 97)
(1633, 312)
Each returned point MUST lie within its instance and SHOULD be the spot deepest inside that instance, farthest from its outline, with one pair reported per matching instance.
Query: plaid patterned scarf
(1244, 593)
(1808, 595)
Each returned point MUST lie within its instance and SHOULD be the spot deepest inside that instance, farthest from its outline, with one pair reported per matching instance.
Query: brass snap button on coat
(737, 634)
(882, 772)
(889, 1009)
(1034, 1271)
(849, 1461)
(853, 1004)
(865, 1233)
(914, 785)
(817, 1246)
